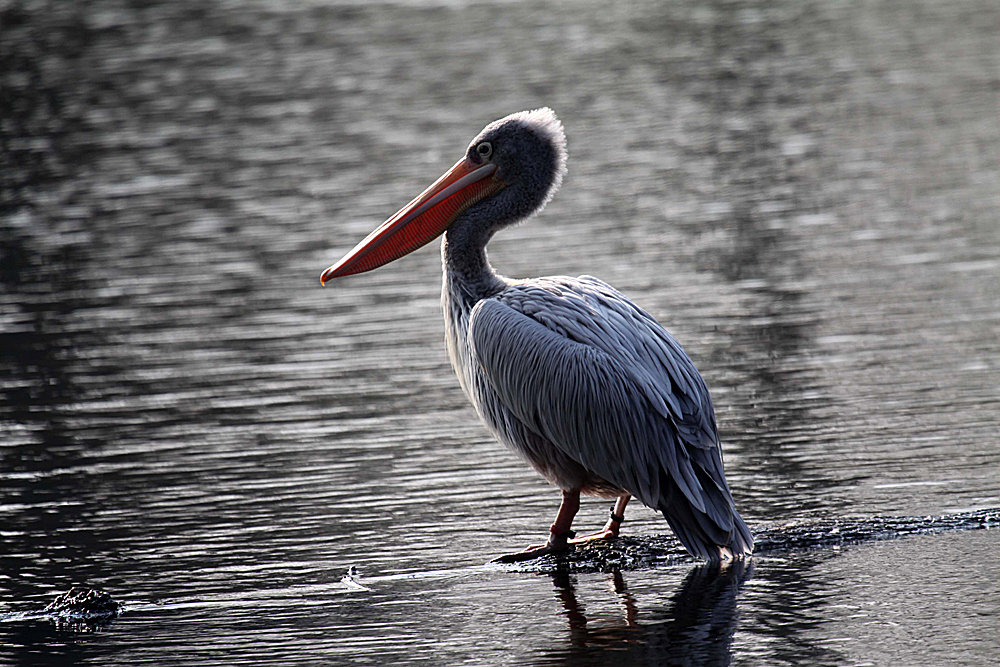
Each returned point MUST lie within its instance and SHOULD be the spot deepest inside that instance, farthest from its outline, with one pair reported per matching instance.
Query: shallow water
(806, 194)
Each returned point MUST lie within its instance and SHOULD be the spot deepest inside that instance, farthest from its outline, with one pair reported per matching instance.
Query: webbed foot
(558, 543)
(609, 532)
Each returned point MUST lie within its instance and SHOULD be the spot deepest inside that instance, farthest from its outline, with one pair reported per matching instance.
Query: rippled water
(806, 194)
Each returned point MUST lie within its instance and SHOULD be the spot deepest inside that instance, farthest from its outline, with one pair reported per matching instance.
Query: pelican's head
(509, 172)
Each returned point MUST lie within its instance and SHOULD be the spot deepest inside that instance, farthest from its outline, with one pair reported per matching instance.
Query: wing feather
(600, 379)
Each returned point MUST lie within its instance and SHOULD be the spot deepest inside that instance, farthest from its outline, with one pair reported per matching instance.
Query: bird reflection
(696, 627)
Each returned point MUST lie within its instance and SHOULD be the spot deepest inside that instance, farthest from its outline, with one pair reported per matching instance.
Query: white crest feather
(545, 123)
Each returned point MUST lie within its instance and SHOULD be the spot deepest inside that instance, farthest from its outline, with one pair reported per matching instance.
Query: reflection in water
(790, 602)
(696, 627)
(45, 295)
(765, 353)
(41, 251)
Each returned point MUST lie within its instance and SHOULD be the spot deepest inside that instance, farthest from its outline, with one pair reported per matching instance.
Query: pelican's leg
(559, 532)
(610, 530)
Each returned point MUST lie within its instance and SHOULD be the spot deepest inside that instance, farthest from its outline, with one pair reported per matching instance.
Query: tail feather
(742, 544)
(699, 533)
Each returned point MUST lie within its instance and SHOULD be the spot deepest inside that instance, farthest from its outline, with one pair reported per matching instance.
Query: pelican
(567, 372)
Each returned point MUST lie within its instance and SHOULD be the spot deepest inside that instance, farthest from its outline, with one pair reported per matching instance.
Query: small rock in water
(83, 609)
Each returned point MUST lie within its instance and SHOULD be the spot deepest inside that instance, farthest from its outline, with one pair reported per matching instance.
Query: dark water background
(805, 193)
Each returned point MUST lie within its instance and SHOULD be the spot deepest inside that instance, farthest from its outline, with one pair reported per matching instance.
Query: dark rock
(639, 552)
(83, 609)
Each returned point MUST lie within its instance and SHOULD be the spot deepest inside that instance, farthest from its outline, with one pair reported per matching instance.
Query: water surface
(805, 193)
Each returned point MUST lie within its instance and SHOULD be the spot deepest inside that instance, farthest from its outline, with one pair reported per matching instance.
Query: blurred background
(805, 193)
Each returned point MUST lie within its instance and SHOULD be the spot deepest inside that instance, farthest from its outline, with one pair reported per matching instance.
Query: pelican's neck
(468, 279)
(467, 271)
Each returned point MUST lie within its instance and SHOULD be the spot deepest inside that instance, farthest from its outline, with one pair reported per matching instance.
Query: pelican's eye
(484, 149)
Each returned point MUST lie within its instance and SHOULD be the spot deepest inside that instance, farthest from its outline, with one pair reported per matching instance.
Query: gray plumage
(570, 374)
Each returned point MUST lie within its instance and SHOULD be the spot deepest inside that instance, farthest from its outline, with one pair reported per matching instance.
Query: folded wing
(581, 366)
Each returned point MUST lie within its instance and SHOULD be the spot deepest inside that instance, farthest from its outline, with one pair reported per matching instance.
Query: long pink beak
(422, 220)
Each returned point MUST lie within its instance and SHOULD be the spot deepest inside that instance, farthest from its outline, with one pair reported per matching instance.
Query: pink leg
(559, 532)
(610, 530)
